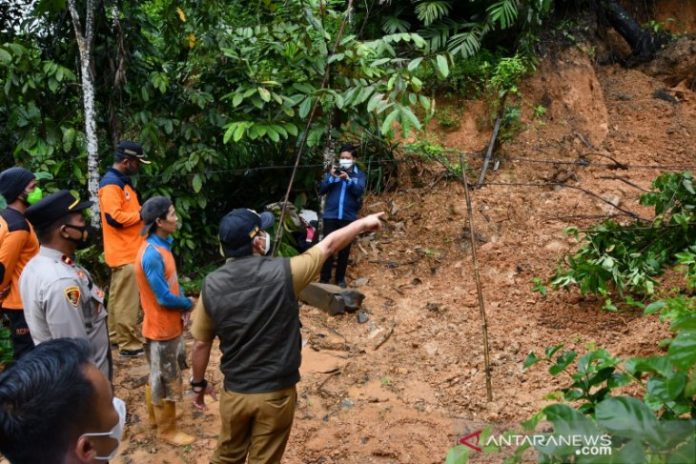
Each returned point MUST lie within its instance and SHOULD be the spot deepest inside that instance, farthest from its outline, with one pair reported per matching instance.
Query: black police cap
(53, 207)
(132, 149)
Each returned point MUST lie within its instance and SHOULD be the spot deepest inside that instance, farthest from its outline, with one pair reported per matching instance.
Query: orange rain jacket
(120, 215)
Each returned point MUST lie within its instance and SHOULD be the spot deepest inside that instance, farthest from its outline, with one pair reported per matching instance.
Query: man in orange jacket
(120, 216)
(18, 244)
(166, 309)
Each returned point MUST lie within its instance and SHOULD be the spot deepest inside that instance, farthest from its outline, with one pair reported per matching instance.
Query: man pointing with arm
(250, 303)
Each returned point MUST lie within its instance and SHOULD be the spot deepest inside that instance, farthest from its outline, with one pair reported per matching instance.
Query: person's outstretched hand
(373, 221)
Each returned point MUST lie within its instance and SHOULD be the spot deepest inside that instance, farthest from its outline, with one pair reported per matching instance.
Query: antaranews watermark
(585, 445)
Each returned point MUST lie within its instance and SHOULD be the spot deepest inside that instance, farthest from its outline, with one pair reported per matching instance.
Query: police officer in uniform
(60, 299)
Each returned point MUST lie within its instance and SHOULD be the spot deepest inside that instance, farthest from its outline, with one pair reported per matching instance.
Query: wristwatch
(198, 387)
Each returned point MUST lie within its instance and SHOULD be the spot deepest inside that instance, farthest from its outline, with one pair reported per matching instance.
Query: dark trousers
(21, 338)
(329, 226)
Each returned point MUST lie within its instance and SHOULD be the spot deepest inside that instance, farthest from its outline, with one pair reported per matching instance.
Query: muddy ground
(404, 386)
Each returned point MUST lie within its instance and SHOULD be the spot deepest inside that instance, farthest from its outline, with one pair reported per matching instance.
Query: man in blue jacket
(344, 187)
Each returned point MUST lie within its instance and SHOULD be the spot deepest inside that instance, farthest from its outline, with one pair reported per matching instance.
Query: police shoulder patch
(72, 294)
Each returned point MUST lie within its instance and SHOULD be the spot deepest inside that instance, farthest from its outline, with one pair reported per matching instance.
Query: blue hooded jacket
(343, 197)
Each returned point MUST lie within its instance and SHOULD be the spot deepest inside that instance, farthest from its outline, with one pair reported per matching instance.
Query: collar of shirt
(155, 239)
(122, 176)
(55, 255)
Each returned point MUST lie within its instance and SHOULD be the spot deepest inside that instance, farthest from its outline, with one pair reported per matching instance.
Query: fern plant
(429, 11)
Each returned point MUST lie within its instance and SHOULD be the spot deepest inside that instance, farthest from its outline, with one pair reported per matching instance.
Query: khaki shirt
(303, 268)
(60, 300)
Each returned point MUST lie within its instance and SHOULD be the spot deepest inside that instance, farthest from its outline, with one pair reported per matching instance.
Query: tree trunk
(642, 42)
(84, 43)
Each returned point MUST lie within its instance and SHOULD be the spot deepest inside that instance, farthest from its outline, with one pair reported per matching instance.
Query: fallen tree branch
(626, 181)
(386, 337)
(489, 152)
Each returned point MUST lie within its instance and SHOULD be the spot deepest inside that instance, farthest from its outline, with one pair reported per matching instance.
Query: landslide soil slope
(403, 386)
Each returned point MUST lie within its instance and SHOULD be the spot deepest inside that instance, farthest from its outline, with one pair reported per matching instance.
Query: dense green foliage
(220, 93)
(620, 260)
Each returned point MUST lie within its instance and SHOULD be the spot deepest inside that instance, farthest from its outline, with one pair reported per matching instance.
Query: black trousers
(329, 226)
(21, 338)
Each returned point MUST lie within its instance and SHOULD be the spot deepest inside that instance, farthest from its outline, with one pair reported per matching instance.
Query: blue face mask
(115, 433)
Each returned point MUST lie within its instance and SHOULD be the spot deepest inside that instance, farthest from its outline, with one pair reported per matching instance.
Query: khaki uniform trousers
(257, 424)
(124, 306)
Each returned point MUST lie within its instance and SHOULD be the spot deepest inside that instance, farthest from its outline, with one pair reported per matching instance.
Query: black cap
(53, 207)
(13, 181)
(132, 149)
(239, 227)
(152, 209)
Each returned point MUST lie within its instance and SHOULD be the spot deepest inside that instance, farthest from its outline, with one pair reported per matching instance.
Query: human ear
(84, 450)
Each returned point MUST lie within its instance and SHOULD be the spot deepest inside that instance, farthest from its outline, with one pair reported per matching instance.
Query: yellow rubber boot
(150, 407)
(166, 425)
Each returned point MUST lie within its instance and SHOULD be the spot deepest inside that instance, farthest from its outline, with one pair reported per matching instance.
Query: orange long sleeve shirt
(120, 215)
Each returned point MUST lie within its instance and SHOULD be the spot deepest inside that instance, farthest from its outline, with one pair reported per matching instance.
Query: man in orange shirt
(120, 216)
(165, 310)
(18, 244)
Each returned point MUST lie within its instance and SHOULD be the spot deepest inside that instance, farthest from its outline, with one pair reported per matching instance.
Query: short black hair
(121, 157)
(349, 148)
(45, 399)
(45, 233)
(154, 227)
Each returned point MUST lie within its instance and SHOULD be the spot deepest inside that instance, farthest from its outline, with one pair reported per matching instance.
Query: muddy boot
(150, 407)
(166, 425)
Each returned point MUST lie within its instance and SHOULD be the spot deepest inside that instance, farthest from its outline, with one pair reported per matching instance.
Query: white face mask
(117, 432)
(345, 163)
(267, 246)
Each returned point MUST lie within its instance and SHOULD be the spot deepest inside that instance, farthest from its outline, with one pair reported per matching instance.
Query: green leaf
(413, 64)
(657, 364)
(291, 129)
(682, 350)
(675, 385)
(374, 101)
(629, 418)
(686, 453)
(272, 134)
(5, 57)
(530, 360)
(442, 66)
(562, 362)
(265, 94)
(457, 455)
(68, 138)
(566, 422)
(690, 388)
(388, 121)
(654, 307)
(229, 132)
(239, 131)
(551, 350)
(407, 115)
(197, 183)
(237, 99)
(305, 107)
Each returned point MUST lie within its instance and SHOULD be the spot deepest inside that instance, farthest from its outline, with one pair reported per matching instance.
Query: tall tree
(84, 43)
